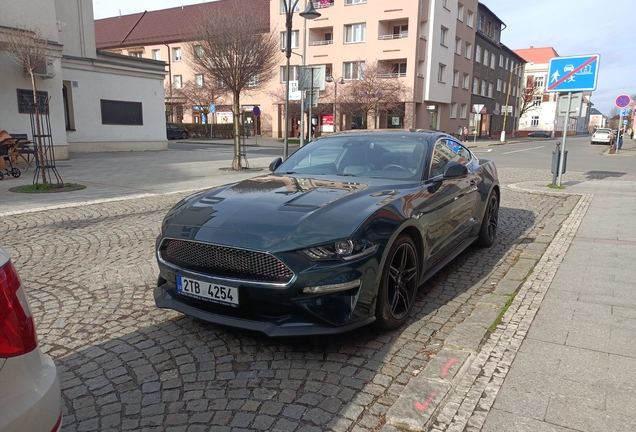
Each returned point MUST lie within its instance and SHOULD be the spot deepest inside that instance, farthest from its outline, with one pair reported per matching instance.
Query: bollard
(556, 159)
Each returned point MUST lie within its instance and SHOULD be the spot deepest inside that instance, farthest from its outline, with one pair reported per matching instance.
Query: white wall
(76, 27)
(96, 81)
(30, 13)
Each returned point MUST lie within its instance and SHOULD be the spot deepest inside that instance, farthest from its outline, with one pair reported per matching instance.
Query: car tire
(489, 223)
(398, 284)
(184, 135)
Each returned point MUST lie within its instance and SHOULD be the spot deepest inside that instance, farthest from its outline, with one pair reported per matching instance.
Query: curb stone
(469, 379)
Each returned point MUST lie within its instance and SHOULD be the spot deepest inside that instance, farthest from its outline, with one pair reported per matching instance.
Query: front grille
(226, 261)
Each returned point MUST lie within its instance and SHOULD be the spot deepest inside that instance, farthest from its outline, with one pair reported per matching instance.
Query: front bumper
(283, 309)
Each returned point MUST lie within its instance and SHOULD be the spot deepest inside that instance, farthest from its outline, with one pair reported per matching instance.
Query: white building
(98, 101)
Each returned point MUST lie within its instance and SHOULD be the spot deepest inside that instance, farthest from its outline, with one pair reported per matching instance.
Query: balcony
(393, 36)
(321, 42)
(320, 36)
(392, 75)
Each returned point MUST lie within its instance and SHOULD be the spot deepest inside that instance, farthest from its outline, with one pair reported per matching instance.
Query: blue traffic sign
(212, 108)
(623, 112)
(573, 74)
(256, 111)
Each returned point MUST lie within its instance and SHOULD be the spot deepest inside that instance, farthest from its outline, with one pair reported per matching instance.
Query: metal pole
(565, 134)
(302, 93)
(289, 11)
(618, 129)
(311, 103)
(503, 130)
(335, 106)
(256, 130)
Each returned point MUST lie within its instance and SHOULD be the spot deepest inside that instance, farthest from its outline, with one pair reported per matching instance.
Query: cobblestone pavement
(126, 365)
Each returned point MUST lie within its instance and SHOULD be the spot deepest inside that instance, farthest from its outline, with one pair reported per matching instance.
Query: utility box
(556, 156)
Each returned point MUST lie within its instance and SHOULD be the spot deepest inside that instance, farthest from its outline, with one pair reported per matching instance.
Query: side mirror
(455, 169)
(275, 164)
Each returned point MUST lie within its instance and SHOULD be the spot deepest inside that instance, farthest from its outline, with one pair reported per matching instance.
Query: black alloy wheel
(398, 284)
(184, 135)
(488, 231)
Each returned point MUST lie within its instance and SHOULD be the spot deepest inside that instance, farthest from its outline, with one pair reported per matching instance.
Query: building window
(458, 46)
(198, 52)
(507, 59)
(455, 78)
(505, 87)
(353, 70)
(138, 54)
(442, 36)
(538, 82)
(486, 57)
(536, 100)
(465, 81)
(475, 85)
(534, 121)
(293, 72)
(477, 53)
(496, 106)
(463, 111)
(254, 81)
(440, 73)
(353, 2)
(398, 70)
(489, 89)
(460, 12)
(498, 85)
(469, 50)
(198, 80)
(500, 61)
(453, 110)
(176, 54)
(294, 39)
(470, 17)
(492, 61)
(288, 2)
(483, 88)
(355, 33)
(156, 54)
(177, 81)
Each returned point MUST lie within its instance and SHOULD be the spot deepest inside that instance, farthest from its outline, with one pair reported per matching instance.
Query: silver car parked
(30, 398)
(603, 136)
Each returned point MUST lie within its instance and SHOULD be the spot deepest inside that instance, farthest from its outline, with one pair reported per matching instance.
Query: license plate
(208, 291)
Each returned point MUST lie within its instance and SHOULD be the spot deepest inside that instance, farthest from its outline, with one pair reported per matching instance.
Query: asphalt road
(537, 154)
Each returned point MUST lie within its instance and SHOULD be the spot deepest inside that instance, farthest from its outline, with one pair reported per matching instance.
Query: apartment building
(426, 45)
(497, 79)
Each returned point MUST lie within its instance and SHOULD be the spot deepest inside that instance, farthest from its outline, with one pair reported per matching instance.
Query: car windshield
(396, 157)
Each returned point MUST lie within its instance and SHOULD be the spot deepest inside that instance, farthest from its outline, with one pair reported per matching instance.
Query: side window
(445, 151)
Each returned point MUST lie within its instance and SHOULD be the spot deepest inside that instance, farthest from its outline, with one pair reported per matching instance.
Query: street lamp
(340, 81)
(503, 130)
(309, 13)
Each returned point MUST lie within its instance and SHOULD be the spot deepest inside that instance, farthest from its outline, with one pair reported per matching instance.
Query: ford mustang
(339, 235)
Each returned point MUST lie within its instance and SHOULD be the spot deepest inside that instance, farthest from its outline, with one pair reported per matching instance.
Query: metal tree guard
(43, 145)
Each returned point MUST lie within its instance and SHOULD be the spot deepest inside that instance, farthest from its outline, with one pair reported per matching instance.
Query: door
(455, 198)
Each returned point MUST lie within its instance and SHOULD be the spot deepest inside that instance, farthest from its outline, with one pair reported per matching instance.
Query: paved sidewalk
(563, 358)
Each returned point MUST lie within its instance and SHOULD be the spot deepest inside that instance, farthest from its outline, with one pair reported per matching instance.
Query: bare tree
(233, 45)
(378, 89)
(201, 94)
(29, 48)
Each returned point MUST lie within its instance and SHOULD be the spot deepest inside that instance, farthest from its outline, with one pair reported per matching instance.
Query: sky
(571, 27)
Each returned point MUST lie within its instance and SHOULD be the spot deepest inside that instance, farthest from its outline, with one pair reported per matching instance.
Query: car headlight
(341, 250)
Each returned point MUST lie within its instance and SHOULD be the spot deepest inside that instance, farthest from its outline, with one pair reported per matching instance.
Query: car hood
(266, 210)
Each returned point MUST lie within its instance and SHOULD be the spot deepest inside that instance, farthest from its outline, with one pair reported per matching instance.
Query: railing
(321, 42)
(320, 4)
(393, 36)
(392, 75)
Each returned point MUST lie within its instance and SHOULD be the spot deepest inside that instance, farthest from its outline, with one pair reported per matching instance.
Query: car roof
(421, 133)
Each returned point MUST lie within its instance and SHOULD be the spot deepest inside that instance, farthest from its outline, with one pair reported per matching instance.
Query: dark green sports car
(339, 235)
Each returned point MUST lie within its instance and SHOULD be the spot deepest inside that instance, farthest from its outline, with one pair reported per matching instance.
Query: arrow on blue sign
(571, 74)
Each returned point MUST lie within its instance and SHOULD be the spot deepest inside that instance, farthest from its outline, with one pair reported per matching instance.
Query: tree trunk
(236, 162)
(38, 128)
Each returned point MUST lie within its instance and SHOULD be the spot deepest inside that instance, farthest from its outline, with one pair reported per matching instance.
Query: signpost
(477, 108)
(257, 112)
(211, 117)
(571, 74)
(622, 101)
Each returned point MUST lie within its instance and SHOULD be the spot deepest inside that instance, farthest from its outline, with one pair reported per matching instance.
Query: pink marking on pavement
(449, 364)
(422, 407)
